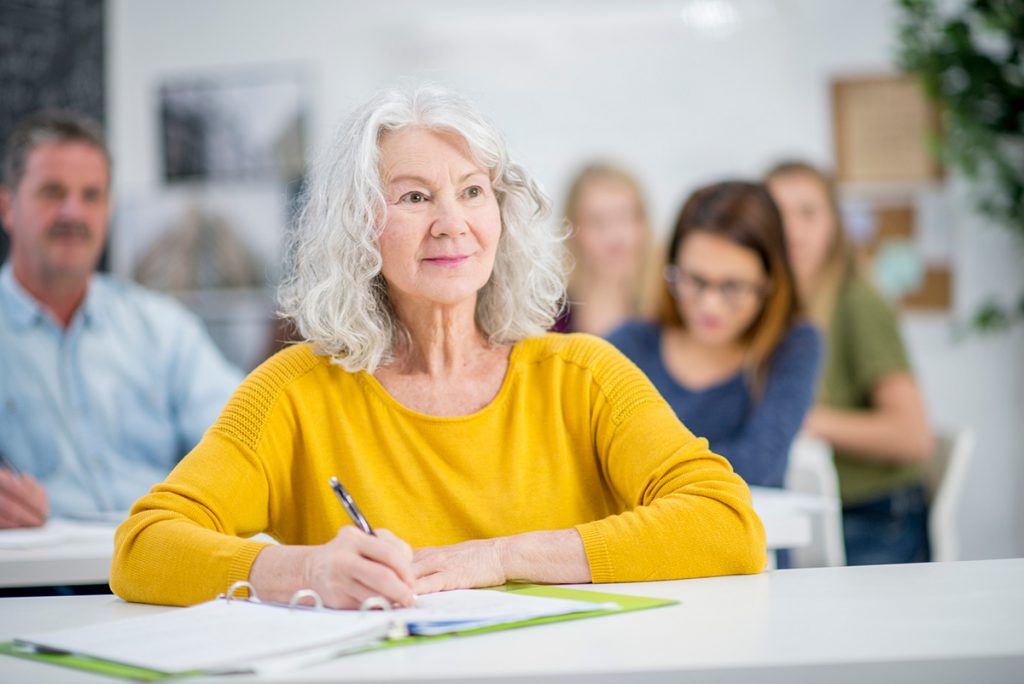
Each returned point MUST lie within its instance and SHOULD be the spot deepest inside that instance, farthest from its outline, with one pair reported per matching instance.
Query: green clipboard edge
(92, 665)
(112, 669)
(628, 604)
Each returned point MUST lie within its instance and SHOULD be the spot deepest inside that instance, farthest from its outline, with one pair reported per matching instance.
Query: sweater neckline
(694, 391)
(378, 389)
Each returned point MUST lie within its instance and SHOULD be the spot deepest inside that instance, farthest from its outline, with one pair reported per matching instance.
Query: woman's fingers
(383, 581)
(388, 550)
(466, 565)
(376, 580)
(392, 538)
(357, 566)
(428, 584)
(426, 561)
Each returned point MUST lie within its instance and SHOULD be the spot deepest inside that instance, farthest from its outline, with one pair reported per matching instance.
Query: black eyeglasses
(733, 292)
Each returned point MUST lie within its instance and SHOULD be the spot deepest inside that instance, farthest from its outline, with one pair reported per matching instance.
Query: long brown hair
(745, 214)
(840, 262)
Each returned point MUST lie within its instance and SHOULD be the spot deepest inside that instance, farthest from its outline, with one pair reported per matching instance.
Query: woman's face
(443, 223)
(719, 287)
(809, 224)
(609, 230)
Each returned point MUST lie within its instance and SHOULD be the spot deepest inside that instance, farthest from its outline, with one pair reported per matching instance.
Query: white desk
(930, 623)
(786, 517)
(76, 553)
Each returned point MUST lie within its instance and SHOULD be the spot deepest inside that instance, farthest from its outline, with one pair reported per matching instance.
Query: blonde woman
(610, 242)
(423, 278)
(869, 406)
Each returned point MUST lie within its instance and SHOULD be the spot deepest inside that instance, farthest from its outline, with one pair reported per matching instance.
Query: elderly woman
(423, 279)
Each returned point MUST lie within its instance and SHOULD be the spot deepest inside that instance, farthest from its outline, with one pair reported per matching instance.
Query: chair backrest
(946, 477)
(812, 471)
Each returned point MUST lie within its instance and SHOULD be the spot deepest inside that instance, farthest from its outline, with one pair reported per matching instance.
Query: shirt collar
(92, 309)
(24, 311)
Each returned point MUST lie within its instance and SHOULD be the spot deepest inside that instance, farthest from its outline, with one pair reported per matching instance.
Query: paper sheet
(56, 532)
(235, 636)
(451, 611)
(217, 636)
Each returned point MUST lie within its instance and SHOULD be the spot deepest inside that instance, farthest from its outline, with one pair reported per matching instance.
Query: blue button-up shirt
(102, 410)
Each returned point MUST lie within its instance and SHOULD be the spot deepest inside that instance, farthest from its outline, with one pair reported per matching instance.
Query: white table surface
(78, 553)
(931, 623)
(786, 517)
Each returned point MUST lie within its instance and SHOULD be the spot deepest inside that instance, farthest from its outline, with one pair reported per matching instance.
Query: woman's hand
(551, 556)
(894, 430)
(355, 566)
(345, 571)
(466, 565)
(23, 501)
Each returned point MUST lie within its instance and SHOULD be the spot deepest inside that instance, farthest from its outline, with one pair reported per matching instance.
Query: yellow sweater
(576, 437)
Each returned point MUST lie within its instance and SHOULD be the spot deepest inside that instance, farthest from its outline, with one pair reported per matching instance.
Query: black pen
(350, 507)
(9, 464)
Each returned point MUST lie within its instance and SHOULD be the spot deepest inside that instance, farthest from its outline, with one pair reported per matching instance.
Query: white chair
(947, 474)
(812, 471)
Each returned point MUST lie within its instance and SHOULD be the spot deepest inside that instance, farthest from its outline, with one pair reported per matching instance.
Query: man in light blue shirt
(104, 385)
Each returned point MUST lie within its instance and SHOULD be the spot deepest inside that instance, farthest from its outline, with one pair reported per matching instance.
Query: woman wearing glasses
(729, 349)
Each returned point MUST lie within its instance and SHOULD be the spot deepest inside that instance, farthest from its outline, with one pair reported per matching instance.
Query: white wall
(620, 79)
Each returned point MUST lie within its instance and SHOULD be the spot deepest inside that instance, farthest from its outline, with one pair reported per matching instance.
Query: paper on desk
(112, 517)
(54, 533)
(455, 611)
(268, 638)
(219, 636)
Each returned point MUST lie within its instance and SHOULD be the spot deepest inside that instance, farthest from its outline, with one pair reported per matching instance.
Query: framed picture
(881, 127)
(234, 128)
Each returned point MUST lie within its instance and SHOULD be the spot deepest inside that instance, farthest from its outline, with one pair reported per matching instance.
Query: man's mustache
(62, 229)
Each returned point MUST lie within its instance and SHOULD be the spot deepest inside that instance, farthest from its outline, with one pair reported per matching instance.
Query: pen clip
(350, 507)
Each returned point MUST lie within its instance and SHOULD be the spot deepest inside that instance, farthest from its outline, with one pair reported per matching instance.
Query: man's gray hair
(334, 291)
(45, 127)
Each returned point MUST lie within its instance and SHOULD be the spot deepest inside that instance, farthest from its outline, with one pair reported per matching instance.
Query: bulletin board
(882, 127)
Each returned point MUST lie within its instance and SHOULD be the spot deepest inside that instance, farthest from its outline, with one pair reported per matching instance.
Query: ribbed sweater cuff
(598, 557)
(241, 564)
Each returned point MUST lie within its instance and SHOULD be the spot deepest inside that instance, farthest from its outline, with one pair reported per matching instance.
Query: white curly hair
(333, 289)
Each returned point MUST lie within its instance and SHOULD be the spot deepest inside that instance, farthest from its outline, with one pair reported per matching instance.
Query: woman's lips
(709, 322)
(447, 261)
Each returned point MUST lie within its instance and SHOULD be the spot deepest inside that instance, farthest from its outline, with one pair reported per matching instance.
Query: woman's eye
(414, 197)
(474, 191)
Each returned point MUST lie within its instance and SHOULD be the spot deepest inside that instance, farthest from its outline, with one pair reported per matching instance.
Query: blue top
(103, 410)
(754, 435)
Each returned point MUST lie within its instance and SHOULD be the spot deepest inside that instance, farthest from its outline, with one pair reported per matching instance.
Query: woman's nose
(449, 219)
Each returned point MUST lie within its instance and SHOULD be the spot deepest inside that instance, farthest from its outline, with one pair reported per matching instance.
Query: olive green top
(864, 345)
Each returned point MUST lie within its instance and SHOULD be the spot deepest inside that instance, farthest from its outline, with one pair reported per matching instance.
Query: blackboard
(51, 57)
